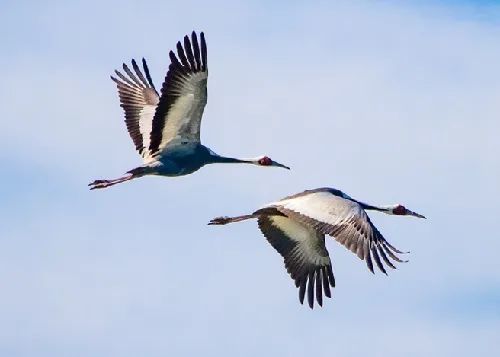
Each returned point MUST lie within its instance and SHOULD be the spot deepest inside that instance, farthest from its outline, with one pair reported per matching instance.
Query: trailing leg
(226, 220)
(130, 175)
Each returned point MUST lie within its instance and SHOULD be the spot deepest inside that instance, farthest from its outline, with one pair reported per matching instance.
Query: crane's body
(183, 159)
(166, 128)
(296, 227)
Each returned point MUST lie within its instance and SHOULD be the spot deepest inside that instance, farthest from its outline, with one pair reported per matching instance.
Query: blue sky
(388, 101)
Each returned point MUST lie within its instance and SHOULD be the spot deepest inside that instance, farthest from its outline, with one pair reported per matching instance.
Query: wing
(346, 221)
(183, 95)
(305, 255)
(138, 98)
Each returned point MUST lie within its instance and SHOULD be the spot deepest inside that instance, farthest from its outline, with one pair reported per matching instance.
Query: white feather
(321, 206)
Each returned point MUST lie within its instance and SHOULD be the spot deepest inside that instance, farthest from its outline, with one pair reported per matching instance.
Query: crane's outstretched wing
(183, 95)
(138, 98)
(333, 213)
(305, 255)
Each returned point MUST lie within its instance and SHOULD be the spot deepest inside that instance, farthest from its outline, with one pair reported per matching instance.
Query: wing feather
(139, 73)
(305, 255)
(183, 96)
(203, 52)
(138, 99)
(131, 75)
(196, 50)
(148, 75)
(189, 53)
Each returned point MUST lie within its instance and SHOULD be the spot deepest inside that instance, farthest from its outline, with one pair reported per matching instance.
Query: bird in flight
(166, 128)
(296, 226)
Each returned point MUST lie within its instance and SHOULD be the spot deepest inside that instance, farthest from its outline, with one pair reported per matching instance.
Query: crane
(165, 128)
(296, 227)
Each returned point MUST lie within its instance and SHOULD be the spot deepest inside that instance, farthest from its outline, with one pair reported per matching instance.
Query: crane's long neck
(385, 209)
(217, 159)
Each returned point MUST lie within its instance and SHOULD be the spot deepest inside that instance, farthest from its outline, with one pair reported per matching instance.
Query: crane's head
(267, 161)
(400, 210)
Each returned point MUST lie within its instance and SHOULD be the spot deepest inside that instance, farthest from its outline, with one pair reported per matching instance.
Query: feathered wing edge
(307, 262)
(136, 92)
(190, 60)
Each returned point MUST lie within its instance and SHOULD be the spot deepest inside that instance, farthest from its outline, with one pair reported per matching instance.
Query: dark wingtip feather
(182, 56)
(135, 82)
(326, 284)
(175, 62)
(331, 277)
(394, 248)
(368, 260)
(125, 67)
(189, 52)
(187, 45)
(172, 56)
(139, 74)
(310, 290)
(392, 255)
(297, 282)
(196, 51)
(302, 290)
(319, 289)
(384, 257)
(148, 75)
(203, 51)
(377, 260)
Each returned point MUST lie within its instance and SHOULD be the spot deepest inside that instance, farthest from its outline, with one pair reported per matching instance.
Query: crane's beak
(277, 164)
(415, 214)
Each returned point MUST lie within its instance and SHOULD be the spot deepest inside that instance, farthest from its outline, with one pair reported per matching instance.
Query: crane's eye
(265, 161)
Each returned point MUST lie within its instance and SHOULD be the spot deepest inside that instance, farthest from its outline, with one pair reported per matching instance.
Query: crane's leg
(130, 175)
(226, 220)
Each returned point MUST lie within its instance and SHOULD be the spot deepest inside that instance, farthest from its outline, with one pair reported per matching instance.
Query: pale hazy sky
(388, 101)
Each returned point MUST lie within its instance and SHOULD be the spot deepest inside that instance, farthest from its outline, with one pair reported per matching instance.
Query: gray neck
(217, 159)
(387, 210)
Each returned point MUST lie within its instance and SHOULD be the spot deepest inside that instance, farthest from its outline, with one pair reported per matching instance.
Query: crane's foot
(220, 220)
(98, 184)
(226, 220)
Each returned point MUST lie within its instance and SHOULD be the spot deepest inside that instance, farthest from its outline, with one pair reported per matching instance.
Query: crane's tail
(130, 175)
(226, 220)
